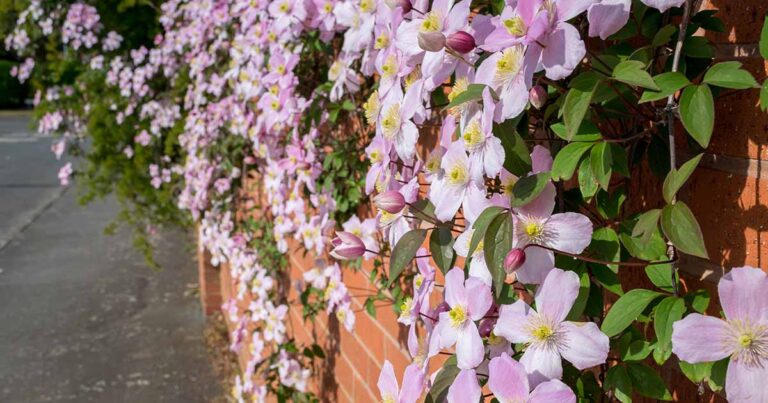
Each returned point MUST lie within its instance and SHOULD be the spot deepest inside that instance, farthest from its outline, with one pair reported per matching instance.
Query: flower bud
(347, 246)
(460, 42)
(538, 96)
(486, 327)
(514, 259)
(404, 4)
(390, 201)
(431, 41)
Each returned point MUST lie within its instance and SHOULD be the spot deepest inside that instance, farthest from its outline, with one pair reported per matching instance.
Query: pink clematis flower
(743, 335)
(413, 384)
(521, 23)
(508, 381)
(509, 73)
(663, 5)
(486, 155)
(606, 17)
(395, 121)
(465, 388)
(560, 47)
(347, 246)
(546, 332)
(468, 301)
(448, 192)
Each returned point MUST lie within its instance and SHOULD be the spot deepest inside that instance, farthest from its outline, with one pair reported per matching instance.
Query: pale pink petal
(461, 245)
(406, 145)
(493, 159)
(542, 364)
(513, 321)
(458, 16)
(563, 52)
(663, 5)
(455, 294)
(551, 392)
(465, 388)
(568, 232)
(698, 338)
(543, 204)
(479, 269)
(557, 293)
(743, 294)
(413, 384)
(541, 159)
(478, 296)
(487, 70)
(607, 17)
(514, 98)
(387, 381)
(746, 383)
(447, 333)
(538, 263)
(585, 345)
(507, 379)
(567, 9)
(475, 204)
(447, 202)
(469, 347)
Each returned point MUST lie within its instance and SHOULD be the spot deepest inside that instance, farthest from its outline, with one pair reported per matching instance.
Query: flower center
(473, 136)
(367, 6)
(391, 122)
(371, 108)
(751, 343)
(405, 308)
(334, 71)
(508, 65)
(533, 230)
(328, 7)
(432, 22)
(284, 7)
(458, 88)
(381, 41)
(457, 176)
(388, 399)
(390, 66)
(515, 26)
(458, 316)
(418, 280)
(543, 333)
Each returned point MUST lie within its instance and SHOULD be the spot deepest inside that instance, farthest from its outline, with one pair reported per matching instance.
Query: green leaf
(764, 39)
(587, 183)
(404, 252)
(698, 372)
(600, 162)
(626, 310)
(669, 83)
(647, 382)
(605, 246)
(424, 210)
(697, 112)
(474, 92)
(669, 311)
(481, 226)
(663, 36)
(646, 225)
(676, 178)
(609, 204)
(441, 247)
(617, 379)
(567, 159)
(638, 350)
(517, 157)
(699, 300)
(444, 379)
(608, 279)
(730, 75)
(497, 243)
(587, 131)
(633, 72)
(528, 188)
(716, 379)
(681, 227)
(661, 276)
(764, 96)
(698, 47)
(577, 101)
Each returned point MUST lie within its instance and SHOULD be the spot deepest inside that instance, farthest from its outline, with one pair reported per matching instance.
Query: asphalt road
(82, 318)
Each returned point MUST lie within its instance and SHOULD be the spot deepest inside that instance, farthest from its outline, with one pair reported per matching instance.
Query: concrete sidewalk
(82, 318)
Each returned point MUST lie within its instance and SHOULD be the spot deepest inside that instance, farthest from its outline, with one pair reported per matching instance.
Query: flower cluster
(442, 99)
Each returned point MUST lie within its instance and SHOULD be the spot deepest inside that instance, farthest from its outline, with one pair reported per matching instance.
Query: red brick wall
(728, 194)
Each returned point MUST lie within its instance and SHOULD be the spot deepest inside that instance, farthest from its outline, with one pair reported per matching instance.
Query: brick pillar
(210, 286)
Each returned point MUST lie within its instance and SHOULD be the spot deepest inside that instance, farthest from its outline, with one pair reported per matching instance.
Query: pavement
(82, 317)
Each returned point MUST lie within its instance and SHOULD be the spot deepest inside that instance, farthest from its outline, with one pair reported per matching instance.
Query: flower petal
(413, 384)
(469, 347)
(387, 381)
(478, 296)
(557, 294)
(743, 294)
(569, 232)
(455, 293)
(585, 345)
(512, 322)
(542, 364)
(507, 379)
(538, 263)
(552, 391)
(465, 388)
(698, 338)
(745, 383)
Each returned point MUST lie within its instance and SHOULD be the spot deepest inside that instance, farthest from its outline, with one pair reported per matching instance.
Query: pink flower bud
(486, 327)
(460, 42)
(404, 4)
(390, 201)
(538, 96)
(514, 259)
(431, 41)
(347, 246)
